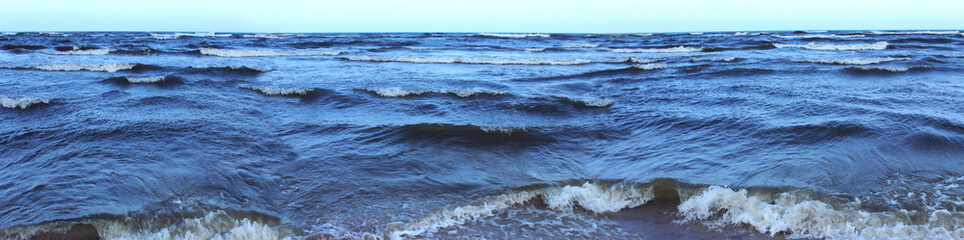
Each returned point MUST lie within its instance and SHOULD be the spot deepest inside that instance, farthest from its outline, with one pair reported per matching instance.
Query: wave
(914, 32)
(21, 47)
(793, 214)
(885, 69)
(594, 197)
(270, 91)
(213, 225)
(146, 80)
(676, 49)
(397, 92)
(739, 34)
(22, 102)
(261, 53)
(533, 49)
(464, 130)
(582, 45)
(425, 48)
(650, 66)
(820, 36)
(106, 67)
(261, 35)
(723, 59)
(587, 102)
(847, 47)
(197, 34)
(493, 61)
(853, 61)
(512, 35)
(231, 69)
(78, 51)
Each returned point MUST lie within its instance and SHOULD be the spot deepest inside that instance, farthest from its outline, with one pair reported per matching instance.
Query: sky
(548, 16)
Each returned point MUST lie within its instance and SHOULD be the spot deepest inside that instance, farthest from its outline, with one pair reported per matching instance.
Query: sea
(714, 135)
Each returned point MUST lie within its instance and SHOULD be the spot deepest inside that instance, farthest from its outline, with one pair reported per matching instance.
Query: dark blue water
(843, 135)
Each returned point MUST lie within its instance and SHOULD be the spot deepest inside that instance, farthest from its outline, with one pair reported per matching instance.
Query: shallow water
(843, 135)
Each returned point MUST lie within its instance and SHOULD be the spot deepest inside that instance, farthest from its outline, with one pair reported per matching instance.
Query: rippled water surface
(843, 135)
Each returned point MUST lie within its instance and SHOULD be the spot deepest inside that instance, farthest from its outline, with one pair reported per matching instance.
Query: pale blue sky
(556, 16)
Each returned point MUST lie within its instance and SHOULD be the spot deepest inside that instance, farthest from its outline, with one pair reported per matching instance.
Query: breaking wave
(231, 69)
(587, 102)
(397, 92)
(885, 69)
(213, 225)
(22, 102)
(916, 32)
(261, 53)
(723, 59)
(847, 47)
(270, 91)
(512, 35)
(179, 35)
(854, 61)
(79, 51)
(819, 36)
(676, 49)
(107, 67)
(493, 61)
(650, 66)
(146, 80)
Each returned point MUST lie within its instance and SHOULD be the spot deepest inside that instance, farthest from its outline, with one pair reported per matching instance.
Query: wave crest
(493, 61)
(854, 61)
(397, 92)
(107, 67)
(676, 49)
(513, 35)
(22, 102)
(261, 53)
(846, 47)
(282, 91)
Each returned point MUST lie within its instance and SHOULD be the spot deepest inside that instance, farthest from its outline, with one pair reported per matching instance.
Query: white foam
(215, 225)
(21, 102)
(915, 32)
(890, 68)
(425, 48)
(533, 49)
(145, 79)
(76, 51)
(495, 61)
(10, 33)
(511, 35)
(739, 34)
(800, 217)
(589, 196)
(813, 46)
(261, 35)
(261, 53)
(107, 67)
(281, 91)
(722, 59)
(854, 61)
(650, 66)
(197, 34)
(819, 36)
(676, 49)
(696, 33)
(398, 92)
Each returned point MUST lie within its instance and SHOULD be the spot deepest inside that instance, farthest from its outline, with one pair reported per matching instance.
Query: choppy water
(842, 135)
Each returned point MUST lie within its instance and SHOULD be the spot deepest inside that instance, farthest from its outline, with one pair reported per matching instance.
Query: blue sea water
(130, 135)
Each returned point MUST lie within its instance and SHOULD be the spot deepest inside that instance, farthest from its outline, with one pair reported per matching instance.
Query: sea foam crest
(514, 35)
(893, 69)
(197, 34)
(78, 51)
(580, 45)
(495, 61)
(813, 46)
(676, 49)
(261, 53)
(281, 91)
(853, 61)
(261, 35)
(21, 102)
(398, 92)
(107, 67)
(589, 196)
(806, 218)
(819, 36)
(915, 32)
(722, 59)
(650, 66)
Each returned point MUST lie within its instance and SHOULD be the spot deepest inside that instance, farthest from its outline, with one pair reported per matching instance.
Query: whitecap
(107, 67)
(853, 61)
(21, 102)
(398, 92)
(262, 53)
(650, 66)
(819, 36)
(495, 61)
(656, 50)
(513, 35)
(281, 91)
(76, 51)
(813, 46)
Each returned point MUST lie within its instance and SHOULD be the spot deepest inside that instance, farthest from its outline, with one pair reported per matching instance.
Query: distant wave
(78, 51)
(211, 225)
(397, 92)
(885, 69)
(261, 35)
(853, 61)
(494, 61)
(107, 67)
(820, 36)
(261, 53)
(283, 91)
(580, 45)
(869, 46)
(425, 48)
(233, 69)
(914, 32)
(723, 59)
(22, 102)
(512, 35)
(656, 50)
(197, 34)
(533, 49)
